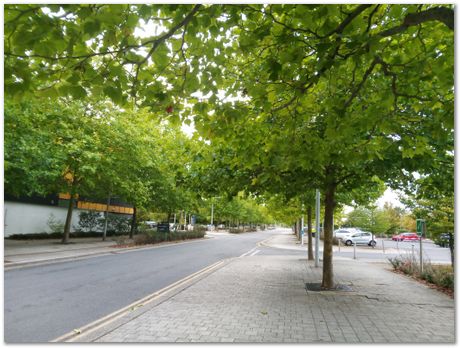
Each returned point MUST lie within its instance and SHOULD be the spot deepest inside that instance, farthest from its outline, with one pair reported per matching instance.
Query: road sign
(420, 226)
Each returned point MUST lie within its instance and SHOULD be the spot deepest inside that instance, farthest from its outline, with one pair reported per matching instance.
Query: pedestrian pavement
(19, 253)
(263, 298)
(26, 252)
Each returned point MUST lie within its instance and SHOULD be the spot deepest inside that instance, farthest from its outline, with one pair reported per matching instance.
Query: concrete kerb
(104, 325)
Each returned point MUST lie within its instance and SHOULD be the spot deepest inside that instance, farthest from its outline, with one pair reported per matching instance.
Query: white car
(365, 238)
(342, 233)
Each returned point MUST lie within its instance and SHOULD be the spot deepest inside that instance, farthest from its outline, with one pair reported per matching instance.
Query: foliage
(158, 237)
(88, 221)
(117, 224)
(439, 275)
(56, 226)
(388, 220)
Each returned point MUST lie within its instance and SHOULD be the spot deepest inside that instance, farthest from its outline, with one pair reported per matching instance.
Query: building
(27, 215)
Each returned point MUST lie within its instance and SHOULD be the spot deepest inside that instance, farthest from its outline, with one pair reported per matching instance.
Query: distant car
(407, 236)
(443, 240)
(363, 238)
(151, 224)
(342, 233)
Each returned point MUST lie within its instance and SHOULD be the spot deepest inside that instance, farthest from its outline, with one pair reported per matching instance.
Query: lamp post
(317, 229)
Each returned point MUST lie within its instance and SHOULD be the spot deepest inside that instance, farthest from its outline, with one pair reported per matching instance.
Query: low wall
(25, 218)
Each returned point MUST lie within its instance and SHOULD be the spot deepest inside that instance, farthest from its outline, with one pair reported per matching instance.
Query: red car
(405, 236)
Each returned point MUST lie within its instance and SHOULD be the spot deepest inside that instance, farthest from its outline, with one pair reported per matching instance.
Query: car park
(360, 238)
(407, 236)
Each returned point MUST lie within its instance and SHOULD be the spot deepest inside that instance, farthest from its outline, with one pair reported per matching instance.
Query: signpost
(163, 227)
(421, 228)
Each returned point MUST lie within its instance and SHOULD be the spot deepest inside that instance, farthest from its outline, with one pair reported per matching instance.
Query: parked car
(407, 236)
(342, 233)
(365, 238)
(151, 224)
(443, 240)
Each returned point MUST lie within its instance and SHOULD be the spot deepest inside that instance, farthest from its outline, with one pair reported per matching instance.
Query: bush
(56, 226)
(154, 237)
(234, 230)
(200, 228)
(442, 276)
(124, 240)
(116, 224)
(88, 221)
(141, 239)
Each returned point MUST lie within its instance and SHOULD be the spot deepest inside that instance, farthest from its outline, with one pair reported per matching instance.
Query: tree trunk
(68, 220)
(310, 239)
(133, 223)
(328, 274)
(451, 247)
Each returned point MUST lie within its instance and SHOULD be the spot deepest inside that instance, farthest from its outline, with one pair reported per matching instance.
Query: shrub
(56, 226)
(88, 221)
(140, 239)
(235, 230)
(442, 276)
(124, 240)
(116, 224)
(199, 228)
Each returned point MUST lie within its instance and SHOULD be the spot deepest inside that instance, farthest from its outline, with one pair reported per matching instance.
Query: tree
(335, 91)
(92, 151)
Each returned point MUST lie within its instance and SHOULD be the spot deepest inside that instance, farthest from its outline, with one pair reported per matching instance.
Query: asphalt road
(44, 302)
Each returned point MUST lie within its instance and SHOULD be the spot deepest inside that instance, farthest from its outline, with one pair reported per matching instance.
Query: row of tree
(288, 97)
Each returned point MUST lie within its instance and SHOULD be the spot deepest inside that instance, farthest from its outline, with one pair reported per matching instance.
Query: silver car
(365, 238)
(343, 233)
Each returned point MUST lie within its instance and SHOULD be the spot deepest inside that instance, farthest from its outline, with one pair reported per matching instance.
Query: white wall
(23, 218)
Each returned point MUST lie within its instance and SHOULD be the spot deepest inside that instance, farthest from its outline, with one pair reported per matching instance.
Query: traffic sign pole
(421, 229)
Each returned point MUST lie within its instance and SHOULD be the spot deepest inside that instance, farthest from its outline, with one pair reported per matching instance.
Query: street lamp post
(317, 229)
(212, 216)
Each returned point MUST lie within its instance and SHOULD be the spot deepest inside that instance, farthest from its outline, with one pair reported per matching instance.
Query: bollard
(354, 251)
(413, 252)
(383, 246)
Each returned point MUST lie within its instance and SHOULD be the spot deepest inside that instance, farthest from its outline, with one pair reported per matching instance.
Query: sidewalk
(19, 253)
(26, 252)
(263, 298)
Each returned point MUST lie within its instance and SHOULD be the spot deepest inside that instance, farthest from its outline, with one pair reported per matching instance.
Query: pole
(104, 233)
(421, 252)
(317, 229)
(212, 216)
(301, 231)
(338, 241)
(383, 246)
(354, 250)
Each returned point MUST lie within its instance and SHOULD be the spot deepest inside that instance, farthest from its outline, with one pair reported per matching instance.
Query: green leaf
(113, 93)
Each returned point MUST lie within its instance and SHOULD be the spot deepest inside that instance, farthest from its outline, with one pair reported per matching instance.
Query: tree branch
(441, 14)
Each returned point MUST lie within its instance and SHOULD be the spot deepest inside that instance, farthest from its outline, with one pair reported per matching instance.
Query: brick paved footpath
(263, 299)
